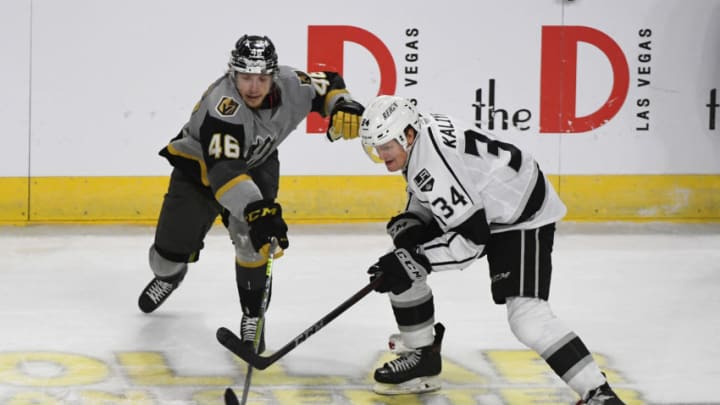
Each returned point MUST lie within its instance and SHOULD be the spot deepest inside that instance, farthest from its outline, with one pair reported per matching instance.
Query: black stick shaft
(355, 298)
(233, 343)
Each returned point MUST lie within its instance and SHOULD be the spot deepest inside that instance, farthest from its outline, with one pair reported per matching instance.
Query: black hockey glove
(345, 120)
(400, 268)
(407, 230)
(265, 220)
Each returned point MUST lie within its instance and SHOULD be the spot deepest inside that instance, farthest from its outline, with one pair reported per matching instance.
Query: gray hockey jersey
(224, 138)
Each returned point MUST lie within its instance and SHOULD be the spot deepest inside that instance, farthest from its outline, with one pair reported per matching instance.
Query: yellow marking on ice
(34, 398)
(520, 366)
(47, 369)
(124, 398)
(528, 396)
(466, 396)
(276, 374)
(368, 397)
(304, 397)
(151, 368)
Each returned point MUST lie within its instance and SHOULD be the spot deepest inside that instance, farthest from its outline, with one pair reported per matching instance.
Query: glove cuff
(420, 255)
(416, 265)
(402, 223)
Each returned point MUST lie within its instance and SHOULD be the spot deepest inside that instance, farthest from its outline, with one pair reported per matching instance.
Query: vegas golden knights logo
(304, 78)
(227, 106)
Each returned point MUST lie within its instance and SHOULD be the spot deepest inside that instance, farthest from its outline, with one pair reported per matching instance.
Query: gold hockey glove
(345, 120)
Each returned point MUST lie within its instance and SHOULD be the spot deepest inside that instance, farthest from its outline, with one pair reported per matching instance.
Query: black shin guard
(251, 286)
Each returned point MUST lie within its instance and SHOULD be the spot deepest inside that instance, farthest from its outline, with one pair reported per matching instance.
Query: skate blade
(415, 386)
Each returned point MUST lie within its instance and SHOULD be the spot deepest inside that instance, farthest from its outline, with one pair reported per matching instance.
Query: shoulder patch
(304, 78)
(424, 180)
(227, 106)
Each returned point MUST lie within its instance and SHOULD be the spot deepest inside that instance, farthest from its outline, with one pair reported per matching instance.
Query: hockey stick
(233, 343)
(230, 397)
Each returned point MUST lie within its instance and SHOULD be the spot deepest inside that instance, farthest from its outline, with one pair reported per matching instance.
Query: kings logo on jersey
(227, 106)
(424, 180)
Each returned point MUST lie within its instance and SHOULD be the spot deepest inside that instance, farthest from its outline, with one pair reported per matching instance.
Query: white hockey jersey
(473, 184)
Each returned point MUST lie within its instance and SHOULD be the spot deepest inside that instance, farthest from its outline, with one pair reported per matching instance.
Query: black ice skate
(414, 371)
(158, 290)
(602, 395)
(248, 329)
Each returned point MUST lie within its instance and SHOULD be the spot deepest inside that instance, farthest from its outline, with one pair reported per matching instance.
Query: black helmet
(253, 54)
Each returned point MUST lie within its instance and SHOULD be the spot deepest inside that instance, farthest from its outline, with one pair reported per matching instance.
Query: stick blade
(233, 343)
(230, 397)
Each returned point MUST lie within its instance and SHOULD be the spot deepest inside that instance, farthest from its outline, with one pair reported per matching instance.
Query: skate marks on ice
(71, 333)
(495, 377)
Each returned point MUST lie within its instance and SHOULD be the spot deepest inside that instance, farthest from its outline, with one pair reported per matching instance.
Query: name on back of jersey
(447, 129)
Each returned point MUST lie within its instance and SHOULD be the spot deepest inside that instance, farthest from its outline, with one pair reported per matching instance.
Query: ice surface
(645, 298)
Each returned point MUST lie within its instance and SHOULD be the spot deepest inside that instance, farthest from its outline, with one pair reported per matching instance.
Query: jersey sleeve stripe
(453, 264)
(230, 184)
(536, 198)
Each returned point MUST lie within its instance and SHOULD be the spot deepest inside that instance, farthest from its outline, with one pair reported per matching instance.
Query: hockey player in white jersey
(225, 163)
(469, 195)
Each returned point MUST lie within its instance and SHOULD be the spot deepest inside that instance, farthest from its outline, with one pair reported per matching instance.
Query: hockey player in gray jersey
(469, 195)
(225, 162)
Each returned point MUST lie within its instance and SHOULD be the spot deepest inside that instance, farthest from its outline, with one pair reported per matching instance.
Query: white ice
(645, 298)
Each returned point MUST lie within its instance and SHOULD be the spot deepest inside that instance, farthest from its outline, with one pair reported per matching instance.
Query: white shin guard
(534, 324)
